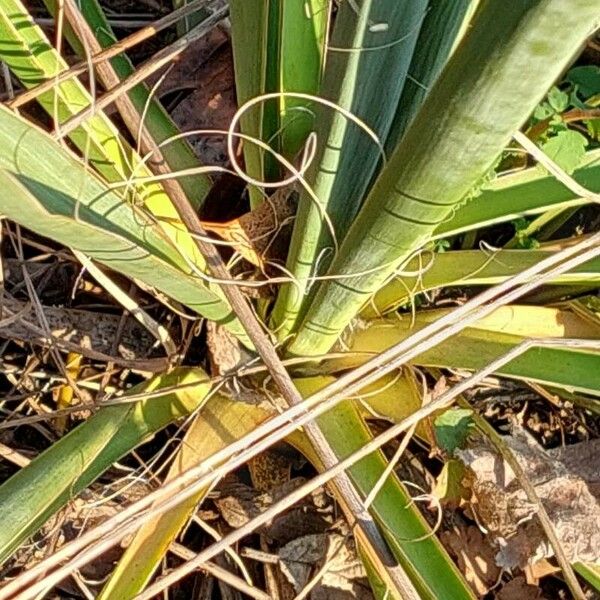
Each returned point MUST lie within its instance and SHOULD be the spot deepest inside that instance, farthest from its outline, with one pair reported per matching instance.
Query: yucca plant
(412, 104)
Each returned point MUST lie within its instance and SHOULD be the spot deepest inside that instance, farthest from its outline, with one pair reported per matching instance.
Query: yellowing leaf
(219, 422)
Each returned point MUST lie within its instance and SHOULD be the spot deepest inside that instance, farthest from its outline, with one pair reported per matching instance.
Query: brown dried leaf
(475, 556)
(582, 460)
(224, 350)
(503, 508)
(261, 233)
(82, 331)
(344, 578)
(517, 589)
(298, 522)
(238, 503)
(186, 70)
(269, 470)
(211, 105)
(298, 557)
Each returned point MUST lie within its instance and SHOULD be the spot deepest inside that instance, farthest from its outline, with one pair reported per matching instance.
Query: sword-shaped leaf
(481, 98)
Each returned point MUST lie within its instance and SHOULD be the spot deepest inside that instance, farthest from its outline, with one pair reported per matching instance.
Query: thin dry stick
(220, 573)
(197, 477)
(252, 444)
(105, 70)
(142, 72)
(104, 55)
(42, 318)
(442, 401)
(390, 467)
(8, 86)
(230, 551)
(13, 456)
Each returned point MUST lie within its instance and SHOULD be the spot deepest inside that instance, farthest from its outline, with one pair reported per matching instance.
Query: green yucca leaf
(469, 267)
(303, 31)
(178, 154)
(590, 572)
(31, 496)
(479, 100)
(49, 191)
(32, 59)
(528, 192)
(437, 38)
(249, 35)
(371, 49)
(489, 339)
(277, 47)
(432, 572)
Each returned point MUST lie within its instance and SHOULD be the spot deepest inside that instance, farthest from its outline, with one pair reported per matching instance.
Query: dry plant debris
(500, 506)
(88, 332)
(475, 556)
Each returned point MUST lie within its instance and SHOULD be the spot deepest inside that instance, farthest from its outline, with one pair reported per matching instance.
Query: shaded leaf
(452, 428)
(586, 78)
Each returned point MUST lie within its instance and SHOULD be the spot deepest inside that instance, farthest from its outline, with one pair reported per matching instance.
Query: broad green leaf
(371, 48)
(431, 570)
(278, 46)
(36, 492)
(593, 128)
(220, 421)
(467, 120)
(49, 191)
(177, 154)
(303, 31)
(492, 337)
(558, 100)
(452, 428)
(468, 267)
(437, 38)
(566, 149)
(97, 138)
(527, 192)
(587, 80)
